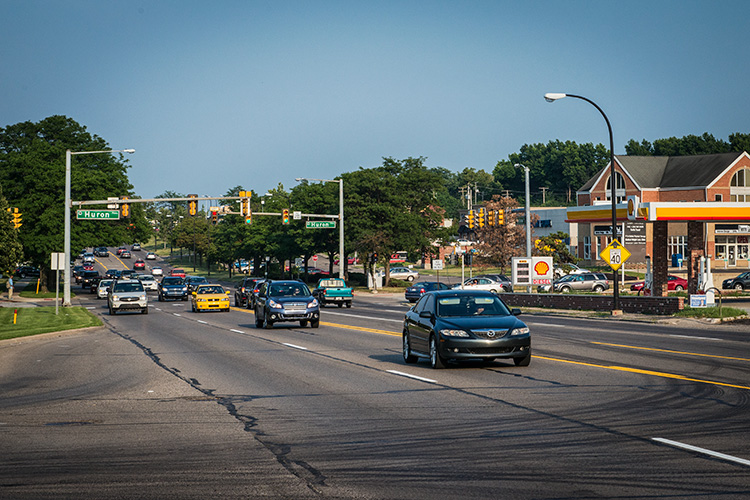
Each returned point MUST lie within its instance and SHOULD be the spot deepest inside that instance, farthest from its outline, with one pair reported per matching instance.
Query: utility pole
(544, 194)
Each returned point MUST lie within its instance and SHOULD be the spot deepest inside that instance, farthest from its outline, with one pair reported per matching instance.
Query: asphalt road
(607, 409)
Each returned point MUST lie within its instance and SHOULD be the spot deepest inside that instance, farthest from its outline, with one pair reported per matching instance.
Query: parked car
(279, 301)
(102, 288)
(178, 272)
(314, 271)
(673, 283)
(172, 287)
(127, 295)
(242, 292)
(193, 281)
(500, 278)
(739, 282)
(334, 291)
(464, 324)
(415, 291)
(125, 254)
(151, 256)
(136, 247)
(139, 265)
(24, 271)
(209, 297)
(88, 277)
(149, 282)
(591, 282)
(403, 273)
(479, 283)
(157, 271)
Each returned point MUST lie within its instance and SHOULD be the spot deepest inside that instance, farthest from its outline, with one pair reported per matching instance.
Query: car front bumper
(465, 348)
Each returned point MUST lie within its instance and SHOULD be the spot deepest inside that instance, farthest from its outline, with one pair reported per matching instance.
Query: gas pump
(706, 280)
(648, 280)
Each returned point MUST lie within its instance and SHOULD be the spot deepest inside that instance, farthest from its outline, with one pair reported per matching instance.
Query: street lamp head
(128, 151)
(552, 96)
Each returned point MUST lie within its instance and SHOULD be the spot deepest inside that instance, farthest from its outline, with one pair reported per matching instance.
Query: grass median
(36, 320)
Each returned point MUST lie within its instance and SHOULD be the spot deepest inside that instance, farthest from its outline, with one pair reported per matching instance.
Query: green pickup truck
(333, 291)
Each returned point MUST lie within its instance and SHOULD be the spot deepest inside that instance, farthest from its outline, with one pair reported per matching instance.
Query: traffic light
(214, 216)
(480, 218)
(491, 218)
(193, 205)
(285, 216)
(501, 217)
(245, 204)
(15, 217)
(470, 219)
(124, 209)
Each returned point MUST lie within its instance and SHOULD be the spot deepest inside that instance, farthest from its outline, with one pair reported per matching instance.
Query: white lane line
(408, 375)
(90, 307)
(362, 317)
(296, 347)
(180, 315)
(694, 338)
(201, 321)
(235, 331)
(716, 454)
(157, 308)
(549, 324)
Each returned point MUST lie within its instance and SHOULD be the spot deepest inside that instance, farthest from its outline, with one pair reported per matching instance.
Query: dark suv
(286, 301)
(243, 292)
(172, 287)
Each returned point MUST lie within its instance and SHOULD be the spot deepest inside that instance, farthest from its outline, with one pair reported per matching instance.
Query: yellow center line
(672, 352)
(644, 372)
(336, 325)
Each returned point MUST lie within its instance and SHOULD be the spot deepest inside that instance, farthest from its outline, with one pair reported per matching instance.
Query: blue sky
(224, 93)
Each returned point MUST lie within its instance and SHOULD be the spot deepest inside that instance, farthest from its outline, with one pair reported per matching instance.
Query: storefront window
(587, 247)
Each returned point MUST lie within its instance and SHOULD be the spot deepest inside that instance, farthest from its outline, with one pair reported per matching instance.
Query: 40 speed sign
(615, 255)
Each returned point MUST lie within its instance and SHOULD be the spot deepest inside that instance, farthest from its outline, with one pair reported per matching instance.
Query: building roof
(650, 172)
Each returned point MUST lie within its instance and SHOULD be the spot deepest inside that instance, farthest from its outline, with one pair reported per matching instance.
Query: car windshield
(289, 290)
(210, 289)
(128, 287)
(469, 305)
(171, 281)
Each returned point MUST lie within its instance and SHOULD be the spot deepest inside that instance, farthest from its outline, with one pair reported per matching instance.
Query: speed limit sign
(615, 255)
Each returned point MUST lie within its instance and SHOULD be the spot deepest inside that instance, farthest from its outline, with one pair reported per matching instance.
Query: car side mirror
(228, 292)
(515, 311)
(425, 314)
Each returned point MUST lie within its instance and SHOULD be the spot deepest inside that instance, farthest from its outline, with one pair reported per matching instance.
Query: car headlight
(520, 331)
(454, 333)
(115, 297)
(142, 297)
(273, 304)
(314, 303)
(200, 300)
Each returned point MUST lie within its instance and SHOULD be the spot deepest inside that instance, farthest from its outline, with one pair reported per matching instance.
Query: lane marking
(693, 338)
(711, 453)
(361, 329)
(643, 372)
(201, 321)
(550, 324)
(292, 345)
(91, 307)
(236, 331)
(672, 352)
(365, 317)
(179, 315)
(409, 375)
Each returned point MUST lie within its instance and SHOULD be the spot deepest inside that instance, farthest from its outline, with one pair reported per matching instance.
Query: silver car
(481, 283)
(149, 282)
(403, 273)
(588, 282)
(102, 288)
(127, 294)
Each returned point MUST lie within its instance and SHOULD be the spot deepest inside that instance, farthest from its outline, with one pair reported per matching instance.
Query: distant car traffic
(243, 291)
(157, 271)
(209, 297)
(739, 282)
(89, 257)
(149, 283)
(136, 247)
(102, 287)
(120, 250)
(415, 291)
(279, 301)
(172, 287)
(101, 252)
(89, 277)
(673, 283)
(125, 254)
(139, 265)
(178, 272)
(192, 282)
(403, 273)
(151, 256)
(112, 273)
(127, 295)
(464, 324)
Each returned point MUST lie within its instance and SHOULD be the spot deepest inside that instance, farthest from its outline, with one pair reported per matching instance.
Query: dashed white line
(693, 338)
(235, 331)
(409, 375)
(711, 453)
(180, 315)
(296, 347)
(201, 321)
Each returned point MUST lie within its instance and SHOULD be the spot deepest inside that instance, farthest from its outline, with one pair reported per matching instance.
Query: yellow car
(210, 298)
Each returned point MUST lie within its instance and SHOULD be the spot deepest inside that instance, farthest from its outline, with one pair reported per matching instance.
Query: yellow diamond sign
(615, 255)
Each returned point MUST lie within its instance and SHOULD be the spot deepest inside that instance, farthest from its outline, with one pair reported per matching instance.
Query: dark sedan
(464, 324)
(740, 282)
(414, 292)
(286, 301)
(173, 287)
(89, 278)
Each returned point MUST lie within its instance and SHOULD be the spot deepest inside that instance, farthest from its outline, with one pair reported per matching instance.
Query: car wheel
(184, 299)
(410, 278)
(161, 299)
(349, 304)
(738, 286)
(303, 323)
(267, 324)
(341, 304)
(144, 310)
(523, 361)
(408, 356)
(565, 289)
(315, 323)
(436, 360)
(112, 311)
(679, 288)
(598, 288)
(258, 321)
(237, 303)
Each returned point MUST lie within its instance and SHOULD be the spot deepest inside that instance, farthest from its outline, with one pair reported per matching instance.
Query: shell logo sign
(541, 268)
(533, 271)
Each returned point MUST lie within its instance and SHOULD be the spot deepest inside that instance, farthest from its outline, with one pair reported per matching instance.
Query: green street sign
(320, 224)
(98, 214)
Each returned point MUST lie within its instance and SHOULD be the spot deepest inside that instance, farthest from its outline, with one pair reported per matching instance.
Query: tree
(32, 175)
(500, 243)
(12, 250)
(554, 246)
(705, 144)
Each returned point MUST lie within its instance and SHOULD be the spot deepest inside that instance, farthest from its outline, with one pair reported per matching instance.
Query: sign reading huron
(97, 214)
(320, 224)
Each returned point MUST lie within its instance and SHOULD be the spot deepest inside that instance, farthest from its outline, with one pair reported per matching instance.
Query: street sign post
(98, 214)
(320, 224)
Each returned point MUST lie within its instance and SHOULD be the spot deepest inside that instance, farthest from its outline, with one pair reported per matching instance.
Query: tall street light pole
(528, 216)
(68, 156)
(341, 219)
(552, 97)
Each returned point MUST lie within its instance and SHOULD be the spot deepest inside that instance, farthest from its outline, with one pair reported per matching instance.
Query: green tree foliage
(12, 251)
(705, 144)
(554, 246)
(32, 175)
(499, 244)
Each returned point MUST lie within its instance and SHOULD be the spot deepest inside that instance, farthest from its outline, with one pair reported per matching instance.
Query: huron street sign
(320, 224)
(97, 214)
